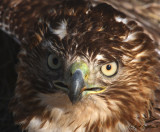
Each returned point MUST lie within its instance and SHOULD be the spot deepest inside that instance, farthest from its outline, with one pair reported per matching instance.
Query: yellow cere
(81, 66)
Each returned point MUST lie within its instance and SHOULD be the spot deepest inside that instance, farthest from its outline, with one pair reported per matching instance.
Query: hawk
(83, 67)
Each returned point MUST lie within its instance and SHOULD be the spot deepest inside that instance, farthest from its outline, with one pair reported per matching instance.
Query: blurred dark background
(8, 60)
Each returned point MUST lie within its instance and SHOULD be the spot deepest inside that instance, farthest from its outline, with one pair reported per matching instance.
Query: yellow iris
(109, 69)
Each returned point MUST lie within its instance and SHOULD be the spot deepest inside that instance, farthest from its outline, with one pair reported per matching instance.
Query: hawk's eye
(109, 69)
(53, 61)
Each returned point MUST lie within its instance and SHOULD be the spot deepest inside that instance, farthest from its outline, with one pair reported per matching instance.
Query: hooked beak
(76, 86)
(78, 89)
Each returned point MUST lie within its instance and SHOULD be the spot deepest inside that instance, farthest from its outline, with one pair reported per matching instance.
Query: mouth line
(61, 85)
(95, 89)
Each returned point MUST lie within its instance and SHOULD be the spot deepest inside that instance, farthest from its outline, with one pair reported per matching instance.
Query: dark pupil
(108, 67)
(55, 61)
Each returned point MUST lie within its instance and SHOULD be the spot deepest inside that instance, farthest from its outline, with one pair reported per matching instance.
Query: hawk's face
(88, 67)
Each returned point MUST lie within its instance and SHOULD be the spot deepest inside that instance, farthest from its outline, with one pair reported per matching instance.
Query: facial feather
(80, 32)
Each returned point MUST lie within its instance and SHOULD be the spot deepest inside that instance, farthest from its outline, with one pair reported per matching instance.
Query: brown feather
(78, 30)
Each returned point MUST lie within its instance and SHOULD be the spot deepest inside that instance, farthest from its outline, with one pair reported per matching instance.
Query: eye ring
(110, 69)
(53, 62)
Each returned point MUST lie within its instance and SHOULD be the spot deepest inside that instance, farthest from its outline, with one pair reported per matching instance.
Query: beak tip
(74, 99)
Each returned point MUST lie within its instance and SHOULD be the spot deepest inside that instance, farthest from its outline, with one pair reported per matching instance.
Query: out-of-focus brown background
(146, 12)
(8, 59)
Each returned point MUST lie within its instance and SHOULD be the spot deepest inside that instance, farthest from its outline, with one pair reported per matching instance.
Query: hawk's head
(85, 67)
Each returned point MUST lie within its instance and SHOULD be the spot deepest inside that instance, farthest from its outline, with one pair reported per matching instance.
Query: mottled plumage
(64, 41)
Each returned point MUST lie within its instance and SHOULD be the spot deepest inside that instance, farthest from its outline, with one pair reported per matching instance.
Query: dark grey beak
(76, 85)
